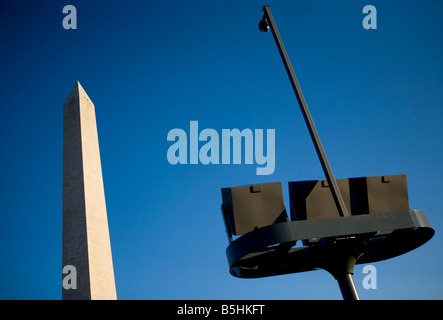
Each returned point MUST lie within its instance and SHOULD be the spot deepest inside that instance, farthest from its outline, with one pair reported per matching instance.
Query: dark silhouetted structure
(340, 223)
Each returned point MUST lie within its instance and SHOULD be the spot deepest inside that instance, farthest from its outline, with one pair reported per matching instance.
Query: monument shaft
(86, 242)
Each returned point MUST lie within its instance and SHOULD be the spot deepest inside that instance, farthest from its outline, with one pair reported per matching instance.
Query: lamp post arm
(338, 199)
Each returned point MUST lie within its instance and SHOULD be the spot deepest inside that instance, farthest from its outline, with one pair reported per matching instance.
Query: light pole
(367, 220)
(345, 281)
(264, 25)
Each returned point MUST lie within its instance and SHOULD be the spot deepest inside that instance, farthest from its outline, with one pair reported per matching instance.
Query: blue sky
(376, 97)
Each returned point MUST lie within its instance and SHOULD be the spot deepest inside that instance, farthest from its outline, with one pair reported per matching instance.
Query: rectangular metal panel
(379, 194)
(313, 199)
(253, 206)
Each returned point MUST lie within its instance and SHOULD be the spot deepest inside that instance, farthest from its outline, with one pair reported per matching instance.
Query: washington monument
(88, 271)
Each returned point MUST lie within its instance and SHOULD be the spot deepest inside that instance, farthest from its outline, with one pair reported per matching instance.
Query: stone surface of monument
(86, 241)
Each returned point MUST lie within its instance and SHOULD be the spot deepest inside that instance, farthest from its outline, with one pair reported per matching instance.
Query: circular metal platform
(335, 244)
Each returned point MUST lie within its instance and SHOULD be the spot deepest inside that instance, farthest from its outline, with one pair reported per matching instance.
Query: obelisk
(86, 242)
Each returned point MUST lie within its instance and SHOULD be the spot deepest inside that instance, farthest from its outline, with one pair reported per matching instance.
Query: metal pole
(307, 116)
(347, 287)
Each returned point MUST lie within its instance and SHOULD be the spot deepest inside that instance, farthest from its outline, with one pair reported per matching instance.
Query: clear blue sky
(376, 97)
